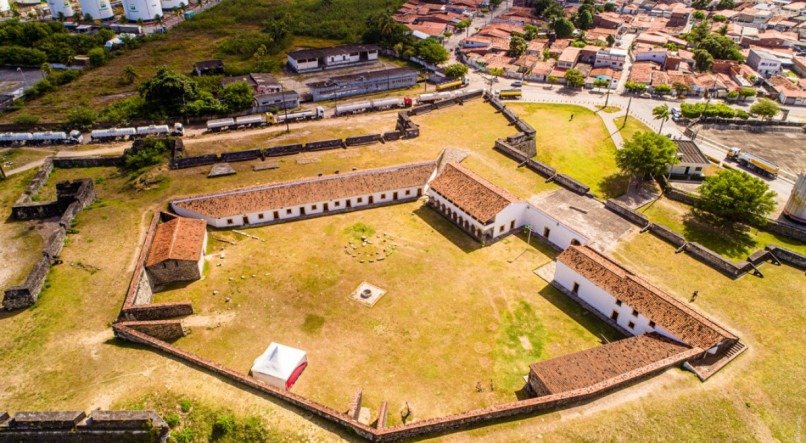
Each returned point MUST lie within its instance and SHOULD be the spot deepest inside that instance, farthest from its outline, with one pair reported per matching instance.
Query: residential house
(763, 62)
(788, 91)
(691, 162)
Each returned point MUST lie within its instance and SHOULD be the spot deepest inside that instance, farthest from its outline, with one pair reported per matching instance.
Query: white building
(633, 304)
(97, 9)
(690, 161)
(174, 4)
(610, 58)
(4, 6)
(487, 212)
(765, 63)
(310, 197)
(144, 10)
(306, 60)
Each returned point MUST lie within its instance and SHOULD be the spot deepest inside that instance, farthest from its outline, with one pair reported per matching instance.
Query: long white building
(310, 197)
(634, 304)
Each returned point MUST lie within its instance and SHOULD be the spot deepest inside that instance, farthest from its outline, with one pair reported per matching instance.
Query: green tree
(97, 57)
(719, 18)
(765, 108)
(548, 9)
(431, 51)
(725, 4)
(634, 87)
(698, 15)
(735, 196)
(552, 79)
(661, 113)
(128, 75)
(610, 7)
(530, 32)
(703, 59)
(584, 19)
(680, 88)
(237, 96)
(517, 46)
(456, 70)
(563, 28)
(746, 93)
(611, 40)
(574, 78)
(646, 155)
(601, 83)
(663, 89)
(168, 92)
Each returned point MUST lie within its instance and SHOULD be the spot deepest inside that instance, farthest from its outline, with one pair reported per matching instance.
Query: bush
(97, 57)
(173, 420)
(152, 152)
(81, 118)
(223, 425)
(26, 119)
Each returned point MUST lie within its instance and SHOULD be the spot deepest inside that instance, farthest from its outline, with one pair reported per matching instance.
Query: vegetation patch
(519, 344)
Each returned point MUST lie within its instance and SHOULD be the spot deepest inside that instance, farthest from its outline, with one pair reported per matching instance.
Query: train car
(112, 134)
(250, 121)
(220, 124)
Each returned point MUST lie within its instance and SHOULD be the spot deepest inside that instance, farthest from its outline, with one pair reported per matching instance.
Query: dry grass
(632, 126)
(21, 245)
(12, 158)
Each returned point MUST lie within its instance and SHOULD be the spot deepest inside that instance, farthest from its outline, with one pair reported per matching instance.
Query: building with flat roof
(364, 83)
(317, 59)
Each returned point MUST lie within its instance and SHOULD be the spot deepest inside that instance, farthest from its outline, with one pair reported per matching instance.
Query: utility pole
(285, 108)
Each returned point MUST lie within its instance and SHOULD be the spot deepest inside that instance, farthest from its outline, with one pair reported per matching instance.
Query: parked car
(675, 114)
(517, 84)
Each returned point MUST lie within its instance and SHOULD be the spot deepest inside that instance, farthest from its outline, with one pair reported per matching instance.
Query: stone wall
(157, 311)
(787, 256)
(785, 229)
(165, 330)
(667, 234)
(78, 427)
(571, 184)
(87, 162)
(628, 214)
(419, 428)
(716, 261)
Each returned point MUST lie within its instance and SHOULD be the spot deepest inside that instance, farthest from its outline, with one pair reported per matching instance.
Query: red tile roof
(178, 239)
(474, 195)
(665, 310)
(591, 366)
(300, 192)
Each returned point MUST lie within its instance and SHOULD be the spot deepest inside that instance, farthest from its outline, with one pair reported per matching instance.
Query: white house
(611, 58)
(310, 197)
(487, 212)
(633, 304)
(691, 161)
(329, 58)
(279, 365)
(765, 63)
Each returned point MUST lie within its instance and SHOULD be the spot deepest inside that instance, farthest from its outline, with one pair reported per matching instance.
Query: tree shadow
(589, 321)
(730, 240)
(614, 185)
(447, 229)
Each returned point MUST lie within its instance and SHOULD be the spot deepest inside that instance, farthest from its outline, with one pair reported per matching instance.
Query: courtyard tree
(661, 113)
(735, 196)
(646, 155)
(456, 70)
(746, 93)
(663, 89)
(530, 32)
(703, 60)
(517, 46)
(601, 83)
(680, 88)
(634, 87)
(610, 7)
(765, 108)
(574, 78)
(611, 40)
(563, 28)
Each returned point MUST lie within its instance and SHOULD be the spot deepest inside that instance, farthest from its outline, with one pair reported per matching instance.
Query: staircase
(707, 366)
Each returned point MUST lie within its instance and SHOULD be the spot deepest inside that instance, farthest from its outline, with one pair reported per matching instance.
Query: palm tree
(661, 113)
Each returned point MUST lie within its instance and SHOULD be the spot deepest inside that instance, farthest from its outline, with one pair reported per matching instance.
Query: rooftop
(177, 239)
(474, 195)
(299, 192)
(334, 50)
(665, 310)
(688, 152)
(591, 366)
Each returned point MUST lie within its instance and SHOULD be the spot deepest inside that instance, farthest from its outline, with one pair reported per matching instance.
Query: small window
(614, 316)
(698, 169)
(229, 221)
(360, 199)
(501, 229)
(575, 289)
(313, 207)
(634, 313)
(631, 325)
(288, 211)
(408, 191)
(260, 216)
(336, 204)
(651, 324)
(618, 302)
(383, 195)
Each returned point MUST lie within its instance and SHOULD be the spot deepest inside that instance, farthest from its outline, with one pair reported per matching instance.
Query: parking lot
(783, 148)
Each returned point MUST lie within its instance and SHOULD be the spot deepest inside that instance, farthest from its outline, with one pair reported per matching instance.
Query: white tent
(279, 365)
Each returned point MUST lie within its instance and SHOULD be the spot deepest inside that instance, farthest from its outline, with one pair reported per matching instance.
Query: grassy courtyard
(633, 125)
(447, 344)
(575, 141)
(731, 243)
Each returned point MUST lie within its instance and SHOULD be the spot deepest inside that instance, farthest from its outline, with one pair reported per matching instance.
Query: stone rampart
(277, 151)
(787, 256)
(667, 234)
(78, 427)
(26, 294)
(571, 184)
(239, 156)
(785, 229)
(363, 139)
(628, 214)
(87, 162)
(716, 261)
(157, 311)
(166, 330)
(322, 145)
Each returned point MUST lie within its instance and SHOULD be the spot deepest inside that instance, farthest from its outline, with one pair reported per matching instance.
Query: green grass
(633, 125)
(731, 243)
(575, 141)
(521, 338)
